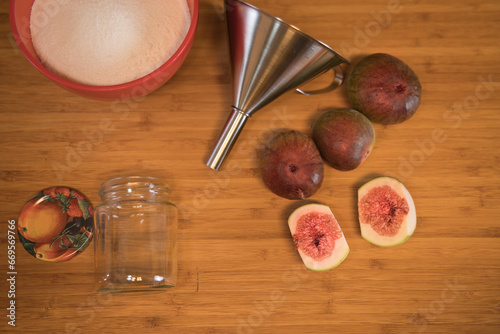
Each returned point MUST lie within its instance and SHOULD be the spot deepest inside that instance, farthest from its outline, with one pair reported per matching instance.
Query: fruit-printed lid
(56, 224)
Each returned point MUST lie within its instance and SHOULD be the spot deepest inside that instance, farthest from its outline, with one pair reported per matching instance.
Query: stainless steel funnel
(268, 58)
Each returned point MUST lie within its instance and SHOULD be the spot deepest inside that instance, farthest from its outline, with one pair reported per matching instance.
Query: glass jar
(135, 236)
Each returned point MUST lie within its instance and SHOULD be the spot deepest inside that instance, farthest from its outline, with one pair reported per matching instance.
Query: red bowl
(19, 12)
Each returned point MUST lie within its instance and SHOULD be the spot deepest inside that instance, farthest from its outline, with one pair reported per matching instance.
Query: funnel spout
(227, 138)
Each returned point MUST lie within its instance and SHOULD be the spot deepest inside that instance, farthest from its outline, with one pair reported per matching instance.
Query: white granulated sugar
(107, 42)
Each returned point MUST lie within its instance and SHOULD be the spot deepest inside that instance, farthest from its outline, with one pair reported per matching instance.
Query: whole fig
(345, 138)
(384, 89)
(291, 166)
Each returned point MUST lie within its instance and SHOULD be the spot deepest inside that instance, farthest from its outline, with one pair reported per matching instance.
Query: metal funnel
(268, 58)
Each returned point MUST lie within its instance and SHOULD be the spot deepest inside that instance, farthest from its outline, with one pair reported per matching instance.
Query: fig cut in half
(386, 211)
(318, 237)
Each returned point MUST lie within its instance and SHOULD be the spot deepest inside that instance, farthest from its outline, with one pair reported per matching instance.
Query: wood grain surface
(238, 269)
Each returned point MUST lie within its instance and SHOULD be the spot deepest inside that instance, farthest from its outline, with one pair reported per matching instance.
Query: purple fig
(384, 89)
(291, 166)
(345, 138)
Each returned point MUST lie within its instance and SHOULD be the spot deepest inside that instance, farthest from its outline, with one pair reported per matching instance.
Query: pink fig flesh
(384, 210)
(316, 234)
(318, 237)
(387, 213)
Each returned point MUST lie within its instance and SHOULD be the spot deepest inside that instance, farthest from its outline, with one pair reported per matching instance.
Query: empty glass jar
(135, 236)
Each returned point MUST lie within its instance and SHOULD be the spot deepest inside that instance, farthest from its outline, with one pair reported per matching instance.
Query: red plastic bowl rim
(186, 43)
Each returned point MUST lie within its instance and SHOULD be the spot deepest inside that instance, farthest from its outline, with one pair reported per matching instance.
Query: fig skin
(291, 165)
(384, 89)
(344, 137)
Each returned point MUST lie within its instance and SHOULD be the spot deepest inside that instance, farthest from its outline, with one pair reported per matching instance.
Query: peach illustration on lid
(56, 224)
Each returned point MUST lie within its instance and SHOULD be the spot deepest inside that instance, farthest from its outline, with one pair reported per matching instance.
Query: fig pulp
(318, 237)
(344, 137)
(384, 88)
(387, 213)
(291, 166)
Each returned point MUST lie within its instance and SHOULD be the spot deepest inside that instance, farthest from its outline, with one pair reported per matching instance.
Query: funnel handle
(338, 77)
(227, 138)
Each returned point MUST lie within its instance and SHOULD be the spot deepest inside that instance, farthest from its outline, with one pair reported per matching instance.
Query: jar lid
(56, 224)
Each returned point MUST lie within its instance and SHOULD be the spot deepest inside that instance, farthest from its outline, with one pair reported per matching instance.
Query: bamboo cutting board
(238, 269)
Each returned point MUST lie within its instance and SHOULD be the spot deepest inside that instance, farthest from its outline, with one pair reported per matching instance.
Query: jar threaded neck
(134, 188)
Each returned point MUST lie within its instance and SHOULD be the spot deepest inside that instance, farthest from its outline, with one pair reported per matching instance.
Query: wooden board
(238, 269)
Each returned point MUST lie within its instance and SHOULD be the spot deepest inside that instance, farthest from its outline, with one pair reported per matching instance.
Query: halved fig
(387, 214)
(318, 237)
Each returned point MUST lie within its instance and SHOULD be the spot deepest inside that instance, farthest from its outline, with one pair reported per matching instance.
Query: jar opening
(134, 188)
